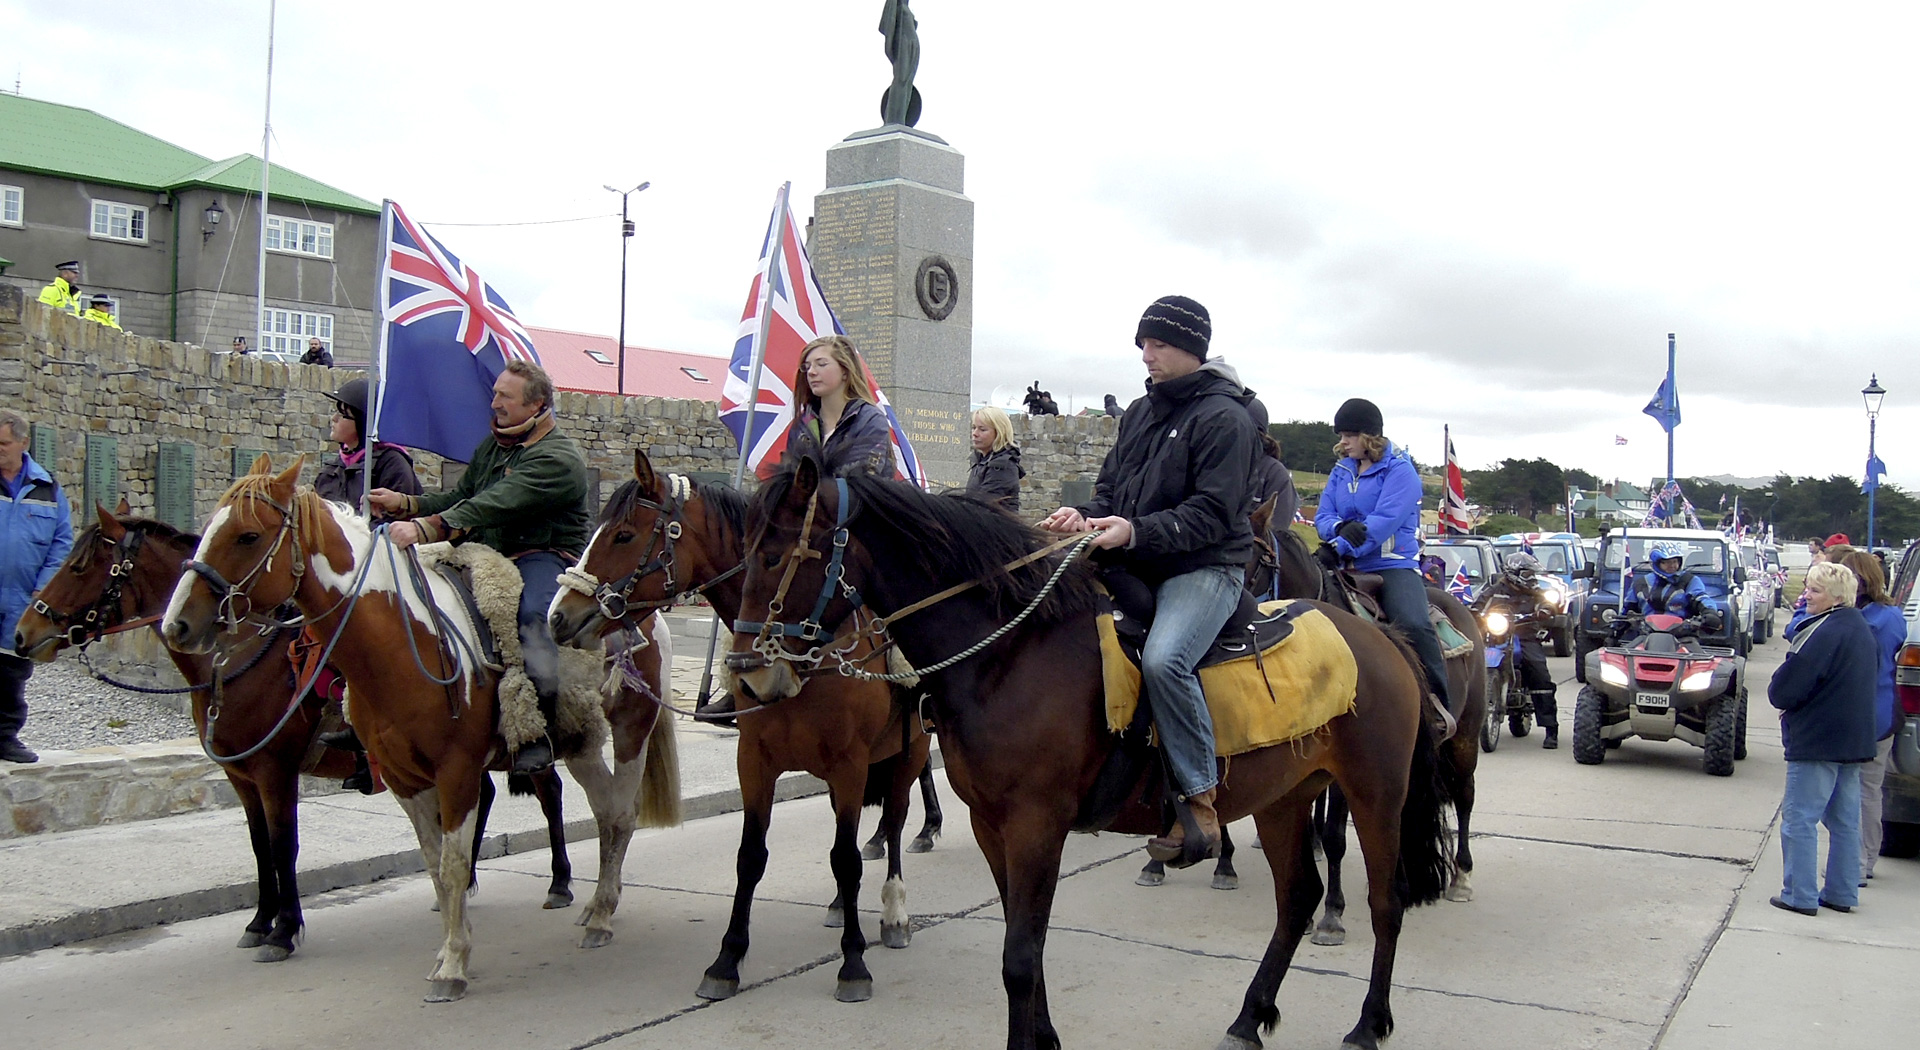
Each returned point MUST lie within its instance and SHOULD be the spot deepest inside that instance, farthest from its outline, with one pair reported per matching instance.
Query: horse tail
(1426, 836)
(660, 777)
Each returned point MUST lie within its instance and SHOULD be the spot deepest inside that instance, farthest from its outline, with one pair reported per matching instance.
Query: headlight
(1697, 681)
(1497, 624)
(1553, 596)
(1614, 674)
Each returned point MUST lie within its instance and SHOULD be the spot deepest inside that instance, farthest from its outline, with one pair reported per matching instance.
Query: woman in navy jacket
(1370, 515)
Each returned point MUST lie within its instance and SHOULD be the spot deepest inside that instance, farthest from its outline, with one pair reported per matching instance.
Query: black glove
(1354, 532)
(1328, 555)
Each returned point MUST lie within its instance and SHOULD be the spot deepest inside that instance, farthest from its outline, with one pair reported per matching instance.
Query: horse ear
(285, 481)
(110, 526)
(123, 508)
(643, 471)
(1263, 514)
(262, 464)
(806, 479)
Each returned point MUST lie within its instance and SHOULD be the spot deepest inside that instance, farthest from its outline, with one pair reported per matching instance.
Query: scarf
(508, 437)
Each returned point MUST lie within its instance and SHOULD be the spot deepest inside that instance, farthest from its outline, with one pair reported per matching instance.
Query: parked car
(1561, 560)
(1472, 555)
(1761, 589)
(1710, 557)
(1900, 819)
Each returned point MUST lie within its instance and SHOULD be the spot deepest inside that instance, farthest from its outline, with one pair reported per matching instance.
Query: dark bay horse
(123, 569)
(421, 696)
(660, 537)
(1024, 733)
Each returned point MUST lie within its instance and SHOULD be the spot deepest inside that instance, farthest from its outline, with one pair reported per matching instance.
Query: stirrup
(534, 756)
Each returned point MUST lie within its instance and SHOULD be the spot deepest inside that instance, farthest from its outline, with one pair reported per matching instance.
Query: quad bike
(1660, 685)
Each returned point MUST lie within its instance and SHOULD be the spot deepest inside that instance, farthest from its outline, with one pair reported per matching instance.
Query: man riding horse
(1172, 497)
(524, 495)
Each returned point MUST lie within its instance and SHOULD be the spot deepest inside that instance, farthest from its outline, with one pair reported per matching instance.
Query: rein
(616, 598)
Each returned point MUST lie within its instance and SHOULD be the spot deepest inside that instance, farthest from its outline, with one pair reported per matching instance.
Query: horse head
(110, 575)
(251, 558)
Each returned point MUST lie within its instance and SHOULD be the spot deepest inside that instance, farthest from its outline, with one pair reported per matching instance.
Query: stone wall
(1056, 452)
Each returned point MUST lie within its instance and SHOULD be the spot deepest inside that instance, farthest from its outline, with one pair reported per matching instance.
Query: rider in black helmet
(1519, 580)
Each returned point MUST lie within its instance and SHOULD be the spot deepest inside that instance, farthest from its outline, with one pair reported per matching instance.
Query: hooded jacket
(1386, 495)
(36, 532)
(341, 477)
(996, 476)
(1178, 472)
(1824, 689)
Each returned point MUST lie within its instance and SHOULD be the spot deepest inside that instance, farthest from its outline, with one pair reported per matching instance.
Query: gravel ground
(68, 708)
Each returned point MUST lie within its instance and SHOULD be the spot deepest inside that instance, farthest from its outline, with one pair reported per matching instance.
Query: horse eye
(622, 536)
(249, 538)
(770, 561)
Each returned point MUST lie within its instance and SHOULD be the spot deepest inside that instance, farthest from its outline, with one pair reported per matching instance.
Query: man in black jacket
(1172, 497)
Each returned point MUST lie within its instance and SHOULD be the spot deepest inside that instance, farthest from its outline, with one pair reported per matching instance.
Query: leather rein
(615, 598)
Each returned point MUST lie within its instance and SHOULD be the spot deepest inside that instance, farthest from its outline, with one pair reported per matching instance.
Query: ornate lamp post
(1873, 395)
(626, 234)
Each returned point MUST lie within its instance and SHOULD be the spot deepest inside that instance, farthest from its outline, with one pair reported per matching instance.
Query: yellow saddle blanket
(1285, 693)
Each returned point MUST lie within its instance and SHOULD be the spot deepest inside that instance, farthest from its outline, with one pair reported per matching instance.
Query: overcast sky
(1488, 215)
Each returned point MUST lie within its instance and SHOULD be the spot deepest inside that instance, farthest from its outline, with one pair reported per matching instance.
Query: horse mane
(84, 545)
(730, 504)
(951, 538)
(309, 510)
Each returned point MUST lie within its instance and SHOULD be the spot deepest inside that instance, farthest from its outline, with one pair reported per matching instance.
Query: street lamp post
(626, 234)
(1873, 395)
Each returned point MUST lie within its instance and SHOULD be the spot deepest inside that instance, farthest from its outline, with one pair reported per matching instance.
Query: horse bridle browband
(103, 616)
(615, 597)
(225, 593)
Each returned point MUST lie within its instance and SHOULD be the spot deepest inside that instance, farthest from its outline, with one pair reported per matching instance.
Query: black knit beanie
(1358, 416)
(1177, 321)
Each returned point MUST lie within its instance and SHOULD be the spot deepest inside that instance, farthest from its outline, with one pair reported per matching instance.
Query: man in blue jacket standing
(36, 532)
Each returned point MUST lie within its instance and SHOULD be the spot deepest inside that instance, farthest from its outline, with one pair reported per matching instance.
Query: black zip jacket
(996, 476)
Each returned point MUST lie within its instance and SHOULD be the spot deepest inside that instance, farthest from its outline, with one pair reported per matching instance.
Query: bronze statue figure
(900, 103)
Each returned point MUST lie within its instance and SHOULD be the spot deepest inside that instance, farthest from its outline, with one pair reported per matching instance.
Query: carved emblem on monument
(937, 287)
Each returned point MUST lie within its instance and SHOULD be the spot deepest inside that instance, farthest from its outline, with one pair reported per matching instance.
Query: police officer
(100, 311)
(64, 292)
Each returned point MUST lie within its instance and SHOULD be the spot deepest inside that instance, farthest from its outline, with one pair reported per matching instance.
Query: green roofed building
(78, 185)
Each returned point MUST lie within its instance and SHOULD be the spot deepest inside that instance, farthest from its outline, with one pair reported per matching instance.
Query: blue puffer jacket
(36, 532)
(1889, 634)
(1387, 497)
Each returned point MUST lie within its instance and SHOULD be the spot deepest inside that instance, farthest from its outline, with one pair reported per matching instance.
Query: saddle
(1364, 590)
(1246, 631)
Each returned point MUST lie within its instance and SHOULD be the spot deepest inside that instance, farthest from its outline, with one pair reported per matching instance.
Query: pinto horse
(122, 571)
(426, 709)
(661, 537)
(1020, 711)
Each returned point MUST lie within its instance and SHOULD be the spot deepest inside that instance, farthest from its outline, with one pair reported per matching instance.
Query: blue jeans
(1403, 598)
(1821, 793)
(1188, 612)
(539, 582)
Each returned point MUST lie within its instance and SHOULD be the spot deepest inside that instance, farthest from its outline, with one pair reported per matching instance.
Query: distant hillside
(1728, 480)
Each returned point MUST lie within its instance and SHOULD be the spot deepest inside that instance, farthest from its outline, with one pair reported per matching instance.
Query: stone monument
(892, 244)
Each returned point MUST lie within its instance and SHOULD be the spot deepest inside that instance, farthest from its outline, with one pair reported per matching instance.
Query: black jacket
(862, 443)
(392, 469)
(1825, 689)
(996, 476)
(1179, 472)
(1271, 477)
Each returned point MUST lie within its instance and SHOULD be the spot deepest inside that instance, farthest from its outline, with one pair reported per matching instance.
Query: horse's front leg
(280, 799)
(1461, 889)
(722, 979)
(1029, 849)
(1333, 844)
(1377, 819)
(1224, 877)
(1286, 836)
(612, 795)
(265, 875)
(895, 928)
(855, 983)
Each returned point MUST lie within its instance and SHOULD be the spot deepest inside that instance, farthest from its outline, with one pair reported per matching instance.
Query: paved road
(1600, 893)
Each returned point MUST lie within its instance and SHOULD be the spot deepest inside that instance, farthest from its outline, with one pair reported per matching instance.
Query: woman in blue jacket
(1370, 515)
(1889, 634)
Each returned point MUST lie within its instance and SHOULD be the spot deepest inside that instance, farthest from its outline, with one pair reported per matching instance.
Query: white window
(119, 222)
(694, 374)
(284, 333)
(600, 357)
(300, 238)
(11, 201)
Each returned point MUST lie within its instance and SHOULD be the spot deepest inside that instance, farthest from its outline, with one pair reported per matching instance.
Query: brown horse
(118, 577)
(427, 708)
(661, 537)
(1019, 708)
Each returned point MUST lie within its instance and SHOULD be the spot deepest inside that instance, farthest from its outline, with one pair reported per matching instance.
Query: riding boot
(343, 740)
(1546, 711)
(361, 779)
(1171, 848)
(535, 756)
(718, 711)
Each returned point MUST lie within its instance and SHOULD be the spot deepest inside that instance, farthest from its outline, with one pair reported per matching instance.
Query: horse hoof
(896, 936)
(596, 938)
(558, 899)
(835, 919)
(854, 991)
(1457, 892)
(271, 953)
(1149, 877)
(1222, 881)
(714, 989)
(873, 851)
(436, 904)
(251, 939)
(1234, 1042)
(1329, 937)
(449, 990)
(923, 842)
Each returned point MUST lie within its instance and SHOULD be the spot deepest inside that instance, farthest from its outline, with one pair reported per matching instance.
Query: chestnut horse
(1009, 652)
(122, 571)
(426, 709)
(661, 537)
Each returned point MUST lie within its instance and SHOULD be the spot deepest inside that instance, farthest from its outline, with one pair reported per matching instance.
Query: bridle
(770, 633)
(103, 616)
(615, 598)
(229, 595)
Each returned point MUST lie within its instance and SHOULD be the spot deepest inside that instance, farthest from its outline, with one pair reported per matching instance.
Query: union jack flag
(1460, 587)
(448, 336)
(786, 294)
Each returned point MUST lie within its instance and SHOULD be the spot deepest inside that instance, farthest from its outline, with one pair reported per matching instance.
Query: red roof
(569, 357)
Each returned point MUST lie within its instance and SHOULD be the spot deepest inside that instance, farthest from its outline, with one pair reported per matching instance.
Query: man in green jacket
(524, 495)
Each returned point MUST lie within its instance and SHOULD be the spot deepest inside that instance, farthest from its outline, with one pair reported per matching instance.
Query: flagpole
(1673, 398)
(266, 151)
(378, 395)
(776, 246)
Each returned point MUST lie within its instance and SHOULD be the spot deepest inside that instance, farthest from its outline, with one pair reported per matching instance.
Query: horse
(1020, 712)
(662, 537)
(117, 578)
(1298, 574)
(426, 710)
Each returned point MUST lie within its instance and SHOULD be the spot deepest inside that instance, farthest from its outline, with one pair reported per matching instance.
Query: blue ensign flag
(448, 336)
(1665, 405)
(1875, 468)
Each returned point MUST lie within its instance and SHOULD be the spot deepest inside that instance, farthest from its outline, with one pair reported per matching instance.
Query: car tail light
(1906, 678)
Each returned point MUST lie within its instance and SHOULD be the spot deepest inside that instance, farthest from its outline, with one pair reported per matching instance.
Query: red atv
(1661, 685)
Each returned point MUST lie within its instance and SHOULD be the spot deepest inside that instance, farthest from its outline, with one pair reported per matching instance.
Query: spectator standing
(64, 291)
(1889, 634)
(36, 532)
(995, 471)
(1825, 692)
(317, 354)
(240, 345)
(100, 311)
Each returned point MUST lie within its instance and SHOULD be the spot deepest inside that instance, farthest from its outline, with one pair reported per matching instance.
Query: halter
(809, 630)
(616, 598)
(103, 616)
(227, 594)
